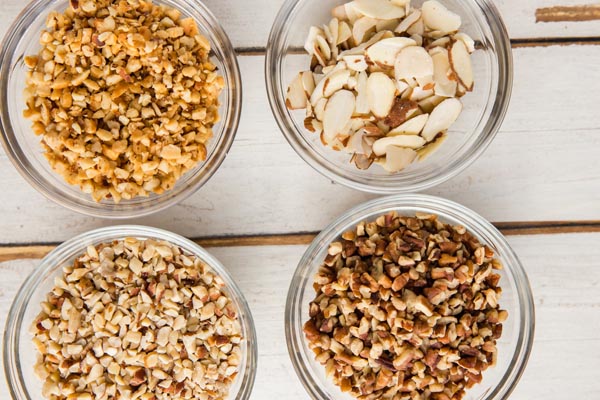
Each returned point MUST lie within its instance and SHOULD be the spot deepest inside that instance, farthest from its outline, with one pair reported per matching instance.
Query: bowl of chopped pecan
(410, 297)
(118, 108)
(389, 96)
(130, 312)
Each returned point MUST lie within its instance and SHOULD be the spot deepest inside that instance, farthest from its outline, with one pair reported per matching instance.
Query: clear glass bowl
(483, 113)
(19, 351)
(518, 331)
(22, 145)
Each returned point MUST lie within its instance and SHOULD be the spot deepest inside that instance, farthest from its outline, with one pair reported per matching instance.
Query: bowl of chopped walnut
(130, 312)
(410, 297)
(118, 108)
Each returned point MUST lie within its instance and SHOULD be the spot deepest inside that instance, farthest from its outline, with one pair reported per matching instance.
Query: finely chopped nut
(137, 319)
(124, 96)
(406, 308)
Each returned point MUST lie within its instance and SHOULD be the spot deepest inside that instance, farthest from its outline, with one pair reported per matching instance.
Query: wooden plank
(543, 166)
(12, 253)
(249, 24)
(564, 277)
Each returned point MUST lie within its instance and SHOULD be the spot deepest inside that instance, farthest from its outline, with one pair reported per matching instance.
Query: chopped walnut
(137, 319)
(406, 308)
(123, 95)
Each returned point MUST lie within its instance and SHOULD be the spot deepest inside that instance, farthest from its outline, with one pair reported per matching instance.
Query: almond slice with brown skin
(338, 112)
(296, 97)
(460, 62)
(438, 18)
(308, 82)
(381, 9)
(427, 105)
(356, 63)
(381, 92)
(413, 62)
(411, 141)
(466, 39)
(311, 40)
(384, 52)
(441, 118)
(444, 86)
(407, 22)
(335, 82)
(398, 158)
(413, 126)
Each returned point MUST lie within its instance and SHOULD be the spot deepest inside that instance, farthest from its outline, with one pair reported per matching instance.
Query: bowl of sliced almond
(389, 96)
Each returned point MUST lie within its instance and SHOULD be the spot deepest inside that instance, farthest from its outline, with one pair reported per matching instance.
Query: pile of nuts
(137, 319)
(385, 80)
(124, 96)
(406, 308)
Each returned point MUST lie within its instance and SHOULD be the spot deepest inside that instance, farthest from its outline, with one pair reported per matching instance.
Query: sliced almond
(400, 3)
(398, 158)
(386, 25)
(413, 126)
(401, 86)
(441, 118)
(410, 141)
(362, 28)
(419, 94)
(296, 97)
(351, 12)
(460, 62)
(418, 28)
(362, 99)
(401, 111)
(441, 42)
(439, 18)
(381, 9)
(444, 86)
(339, 12)
(381, 92)
(334, 29)
(385, 51)
(319, 108)
(418, 39)
(313, 125)
(466, 39)
(319, 91)
(361, 161)
(322, 50)
(311, 40)
(407, 22)
(344, 32)
(338, 111)
(335, 82)
(427, 105)
(356, 143)
(428, 150)
(356, 63)
(413, 62)
(360, 49)
(308, 82)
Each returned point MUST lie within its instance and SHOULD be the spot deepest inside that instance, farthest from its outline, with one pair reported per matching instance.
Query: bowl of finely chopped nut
(130, 312)
(410, 297)
(118, 108)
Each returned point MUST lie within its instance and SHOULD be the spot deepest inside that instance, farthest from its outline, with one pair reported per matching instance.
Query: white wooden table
(539, 182)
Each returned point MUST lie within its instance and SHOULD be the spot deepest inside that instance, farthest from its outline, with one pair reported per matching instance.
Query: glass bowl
(19, 351)
(483, 113)
(513, 347)
(24, 150)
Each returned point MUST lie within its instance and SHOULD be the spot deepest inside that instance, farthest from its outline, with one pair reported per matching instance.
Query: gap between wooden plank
(34, 251)
(515, 44)
(589, 12)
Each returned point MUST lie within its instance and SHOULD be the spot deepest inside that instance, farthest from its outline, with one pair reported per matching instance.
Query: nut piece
(407, 308)
(115, 84)
(126, 321)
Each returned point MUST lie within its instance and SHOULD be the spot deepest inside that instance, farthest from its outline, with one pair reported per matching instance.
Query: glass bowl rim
(15, 152)
(293, 133)
(475, 223)
(15, 324)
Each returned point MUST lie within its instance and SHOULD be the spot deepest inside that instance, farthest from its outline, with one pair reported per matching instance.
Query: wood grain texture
(248, 23)
(13, 253)
(579, 13)
(542, 166)
(564, 275)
